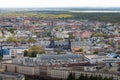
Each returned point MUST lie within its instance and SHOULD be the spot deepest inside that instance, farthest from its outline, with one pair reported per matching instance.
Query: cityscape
(60, 44)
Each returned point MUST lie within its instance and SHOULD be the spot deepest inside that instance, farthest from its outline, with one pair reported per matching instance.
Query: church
(64, 45)
(58, 45)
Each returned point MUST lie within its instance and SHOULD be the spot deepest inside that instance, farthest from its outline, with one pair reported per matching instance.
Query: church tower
(51, 27)
(52, 42)
(69, 44)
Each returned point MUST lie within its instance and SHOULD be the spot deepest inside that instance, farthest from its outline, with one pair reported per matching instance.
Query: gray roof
(61, 43)
(59, 57)
(81, 44)
(22, 47)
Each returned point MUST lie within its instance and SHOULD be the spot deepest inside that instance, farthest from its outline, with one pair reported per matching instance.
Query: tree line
(86, 77)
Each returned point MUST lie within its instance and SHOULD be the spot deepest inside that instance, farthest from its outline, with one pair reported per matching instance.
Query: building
(49, 60)
(63, 74)
(101, 59)
(11, 76)
(12, 52)
(40, 71)
(113, 55)
(61, 35)
(60, 45)
(53, 72)
(58, 73)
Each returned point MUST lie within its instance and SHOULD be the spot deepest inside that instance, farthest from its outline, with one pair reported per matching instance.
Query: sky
(58, 3)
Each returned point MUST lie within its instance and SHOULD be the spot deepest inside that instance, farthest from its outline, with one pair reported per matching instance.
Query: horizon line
(57, 7)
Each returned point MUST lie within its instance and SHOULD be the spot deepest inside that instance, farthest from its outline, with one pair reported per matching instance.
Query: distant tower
(52, 42)
(51, 26)
(69, 44)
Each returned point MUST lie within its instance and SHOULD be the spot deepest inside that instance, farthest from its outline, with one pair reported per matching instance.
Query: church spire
(69, 44)
(52, 42)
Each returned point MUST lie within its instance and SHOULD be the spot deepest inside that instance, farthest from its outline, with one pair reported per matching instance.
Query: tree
(71, 36)
(12, 39)
(11, 30)
(86, 77)
(99, 35)
(35, 50)
(105, 78)
(22, 40)
(33, 54)
(49, 33)
(81, 50)
(27, 78)
(58, 39)
(56, 29)
(95, 77)
(118, 69)
(91, 77)
(59, 51)
(119, 47)
(111, 78)
(100, 77)
(81, 77)
(95, 52)
(71, 77)
(31, 40)
(1, 57)
(25, 53)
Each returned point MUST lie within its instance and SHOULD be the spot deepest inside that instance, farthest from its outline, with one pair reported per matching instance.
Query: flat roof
(10, 74)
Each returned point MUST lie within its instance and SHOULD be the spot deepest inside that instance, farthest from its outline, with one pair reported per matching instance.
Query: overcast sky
(58, 3)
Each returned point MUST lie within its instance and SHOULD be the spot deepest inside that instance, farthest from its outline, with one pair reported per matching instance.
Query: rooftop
(14, 75)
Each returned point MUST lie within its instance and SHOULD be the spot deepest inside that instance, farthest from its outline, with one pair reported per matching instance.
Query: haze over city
(58, 3)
